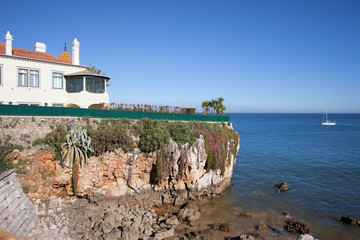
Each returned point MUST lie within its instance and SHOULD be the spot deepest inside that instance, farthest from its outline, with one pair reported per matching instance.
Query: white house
(29, 77)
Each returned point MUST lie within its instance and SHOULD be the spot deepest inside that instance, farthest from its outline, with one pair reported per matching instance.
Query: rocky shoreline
(145, 216)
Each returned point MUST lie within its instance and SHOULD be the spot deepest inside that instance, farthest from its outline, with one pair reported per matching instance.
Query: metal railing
(18, 110)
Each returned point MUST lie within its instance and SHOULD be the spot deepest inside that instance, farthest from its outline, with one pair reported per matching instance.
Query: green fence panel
(17, 110)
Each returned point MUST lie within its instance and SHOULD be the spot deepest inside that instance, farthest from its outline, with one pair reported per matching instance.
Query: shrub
(154, 136)
(55, 139)
(181, 132)
(110, 138)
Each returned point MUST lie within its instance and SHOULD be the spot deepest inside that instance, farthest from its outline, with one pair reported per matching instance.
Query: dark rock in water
(282, 186)
(224, 227)
(241, 237)
(350, 220)
(297, 227)
(275, 229)
(205, 234)
(244, 214)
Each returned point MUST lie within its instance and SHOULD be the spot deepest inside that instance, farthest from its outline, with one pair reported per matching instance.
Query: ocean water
(320, 163)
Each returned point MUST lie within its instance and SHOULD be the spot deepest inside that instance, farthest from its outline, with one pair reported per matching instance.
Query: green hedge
(16, 110)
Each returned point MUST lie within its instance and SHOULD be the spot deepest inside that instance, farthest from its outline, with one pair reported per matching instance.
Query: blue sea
(320, 163)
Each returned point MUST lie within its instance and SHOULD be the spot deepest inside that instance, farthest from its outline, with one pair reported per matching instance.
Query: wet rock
(206, 233)
(242, 237)
(297, 227)
(282, 186)
(246, 237)
(350, 220)
(224, 227)
(244, 214)
(190, 213)
(305, 237)
(261, 227)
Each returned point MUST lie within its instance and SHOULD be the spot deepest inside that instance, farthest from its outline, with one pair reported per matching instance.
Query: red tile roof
(65, 56)
(25, 53)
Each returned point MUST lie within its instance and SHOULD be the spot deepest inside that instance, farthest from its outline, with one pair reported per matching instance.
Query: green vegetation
(94, 69)
(54, 139)
(109, 136)
(215, 106)
(25, 189)
(153, 136)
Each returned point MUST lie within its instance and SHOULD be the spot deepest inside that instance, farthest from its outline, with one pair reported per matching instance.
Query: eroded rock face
(118, 174)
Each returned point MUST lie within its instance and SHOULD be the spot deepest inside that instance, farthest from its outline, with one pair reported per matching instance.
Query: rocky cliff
(115, 174)
(129, 183)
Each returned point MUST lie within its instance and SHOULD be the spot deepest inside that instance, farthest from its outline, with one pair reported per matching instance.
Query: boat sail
(326, 122)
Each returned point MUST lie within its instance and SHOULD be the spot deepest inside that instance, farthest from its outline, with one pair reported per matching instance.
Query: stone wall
(24, 130)
(17, 214)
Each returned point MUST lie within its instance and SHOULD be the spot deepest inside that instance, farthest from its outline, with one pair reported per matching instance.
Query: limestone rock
(190, 213)
(305, 237)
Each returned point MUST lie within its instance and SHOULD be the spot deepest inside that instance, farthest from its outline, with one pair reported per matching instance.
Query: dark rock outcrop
(350, 220)
(297, 227)
(283, 187)
(224, 227)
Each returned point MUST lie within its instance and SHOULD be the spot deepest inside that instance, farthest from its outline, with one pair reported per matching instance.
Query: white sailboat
(326, 122)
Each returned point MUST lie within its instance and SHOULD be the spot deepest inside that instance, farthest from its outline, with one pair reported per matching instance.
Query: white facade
(30, 81)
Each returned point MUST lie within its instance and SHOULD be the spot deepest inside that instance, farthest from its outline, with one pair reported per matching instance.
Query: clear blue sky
(261, 56)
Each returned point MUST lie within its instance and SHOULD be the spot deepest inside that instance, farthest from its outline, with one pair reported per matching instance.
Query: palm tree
(214, 105)
(93, 69)
(220, 108)
(205, 106)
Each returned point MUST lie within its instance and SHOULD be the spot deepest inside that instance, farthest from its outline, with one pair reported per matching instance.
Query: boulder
(190, 213)
(224, 227)
(246, 237)
(164, 233)
(350, 220)
(13, 155)
(297, 227)
(282, 186)
(305, 237)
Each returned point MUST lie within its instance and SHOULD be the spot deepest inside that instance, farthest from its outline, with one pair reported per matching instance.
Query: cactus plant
(75, 150)
(76, 147)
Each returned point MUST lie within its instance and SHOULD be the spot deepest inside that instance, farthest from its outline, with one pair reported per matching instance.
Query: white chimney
(75, 52)
(40, 47)
(8, 44)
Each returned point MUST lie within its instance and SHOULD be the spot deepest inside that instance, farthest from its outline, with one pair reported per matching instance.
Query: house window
(23, 77)
(74, 84)
(34, 78)
(95, 85)
(57, 80)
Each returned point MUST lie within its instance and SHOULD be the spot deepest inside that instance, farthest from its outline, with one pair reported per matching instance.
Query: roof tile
(31, 54)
